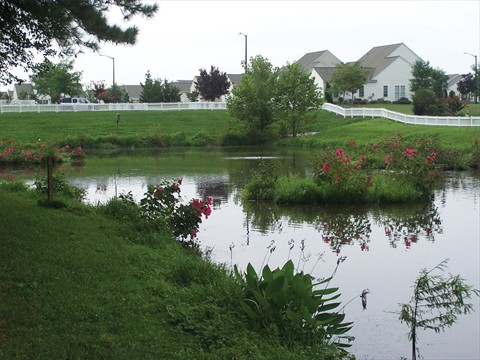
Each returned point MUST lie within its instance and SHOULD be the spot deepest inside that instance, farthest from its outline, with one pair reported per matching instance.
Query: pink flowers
(388, 159)
(339, 152)
(409, 152)
(326, 167)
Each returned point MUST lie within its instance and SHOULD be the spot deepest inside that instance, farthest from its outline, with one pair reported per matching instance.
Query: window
(385, 91)
(399, 91)
(361, 92)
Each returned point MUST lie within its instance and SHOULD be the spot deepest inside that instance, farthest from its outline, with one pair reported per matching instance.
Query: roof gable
(26, 87)
(315, 59)
(379, 58)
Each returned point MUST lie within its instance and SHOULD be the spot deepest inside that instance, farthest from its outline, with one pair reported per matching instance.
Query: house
(389, 70)
(453, 80)
(23, 92)
(183, 88)
(133, 92)
(320, 65)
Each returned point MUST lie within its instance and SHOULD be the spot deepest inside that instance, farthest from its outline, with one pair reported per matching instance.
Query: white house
(321, 65)
(389, 70)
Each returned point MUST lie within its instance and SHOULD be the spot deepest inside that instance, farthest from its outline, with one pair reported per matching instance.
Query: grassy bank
(150, 129)
(78, 284)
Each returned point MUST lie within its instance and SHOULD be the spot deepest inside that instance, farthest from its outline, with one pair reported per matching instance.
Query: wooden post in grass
(118, 119)
(49, 177)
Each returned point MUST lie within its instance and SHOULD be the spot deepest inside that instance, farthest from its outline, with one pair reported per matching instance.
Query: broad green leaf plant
(290, 304)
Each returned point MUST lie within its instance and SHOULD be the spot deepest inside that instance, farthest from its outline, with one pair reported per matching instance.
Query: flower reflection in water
(347, 225)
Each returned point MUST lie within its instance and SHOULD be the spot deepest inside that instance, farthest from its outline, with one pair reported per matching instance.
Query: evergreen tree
(61, 28)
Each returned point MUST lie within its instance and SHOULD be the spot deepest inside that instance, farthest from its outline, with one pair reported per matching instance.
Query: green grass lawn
(180, 128)
(77, 284)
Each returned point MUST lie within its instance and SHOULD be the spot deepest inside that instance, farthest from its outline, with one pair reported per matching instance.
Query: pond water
(385, 247)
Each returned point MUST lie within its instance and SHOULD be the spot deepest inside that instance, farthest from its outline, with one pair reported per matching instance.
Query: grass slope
(75, 284)
(203, 127)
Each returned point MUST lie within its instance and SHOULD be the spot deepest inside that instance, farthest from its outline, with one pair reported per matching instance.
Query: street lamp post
(113, 59)
(246, 59)
(476, 76)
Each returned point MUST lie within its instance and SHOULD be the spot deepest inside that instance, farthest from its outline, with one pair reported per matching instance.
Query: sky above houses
(185, 36)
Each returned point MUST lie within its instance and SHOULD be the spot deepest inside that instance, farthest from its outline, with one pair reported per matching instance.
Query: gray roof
(26, 87)
(325, 72)
(182, 85)
(454, 79)
(235, 79)
(133, 91)
(308, 60)
(378, 58)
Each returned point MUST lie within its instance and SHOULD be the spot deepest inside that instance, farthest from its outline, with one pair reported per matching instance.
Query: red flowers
(388, 159)
(339, 152)
(326, 167)
(410, 152)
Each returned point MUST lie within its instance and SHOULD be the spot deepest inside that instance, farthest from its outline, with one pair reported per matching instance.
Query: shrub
(163, 203)
(262, 184)
(422, 101)
(341, 178)
(402, 100)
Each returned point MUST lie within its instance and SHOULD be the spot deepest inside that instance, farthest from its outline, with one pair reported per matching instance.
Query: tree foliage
(56, 80)
(156, 91)
(426, 77)
(268, 96)
(253, 100)
(211, 85)
(296, 95)
(436, 302)
(113, 94)
(466, 85)
(62, 28)
(348, 78)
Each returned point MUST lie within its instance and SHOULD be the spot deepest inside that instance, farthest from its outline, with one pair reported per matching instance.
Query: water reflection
(341, 226)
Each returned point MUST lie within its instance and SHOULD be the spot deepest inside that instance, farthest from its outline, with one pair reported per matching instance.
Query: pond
(385, 247)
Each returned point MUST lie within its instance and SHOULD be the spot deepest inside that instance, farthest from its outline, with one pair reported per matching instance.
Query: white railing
(113, 107)
(345, 112)
(406, 119)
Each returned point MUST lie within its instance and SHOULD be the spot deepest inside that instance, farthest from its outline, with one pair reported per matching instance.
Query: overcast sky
(185, 36)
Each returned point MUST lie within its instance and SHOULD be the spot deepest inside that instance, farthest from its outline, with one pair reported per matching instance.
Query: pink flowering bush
(164, 202)
(13, 154)
(343, 178)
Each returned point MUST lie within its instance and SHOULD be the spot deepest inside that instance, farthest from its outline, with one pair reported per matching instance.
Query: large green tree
(60, 27)
(56, 80)
(211, 85)
(425, 76)
(156, 91)
(348, 78)
(252, 101)
(296, 96)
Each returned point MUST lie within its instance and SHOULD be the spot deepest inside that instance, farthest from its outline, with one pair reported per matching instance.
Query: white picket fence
(113, 107)
(345, 112)
(406, 119)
